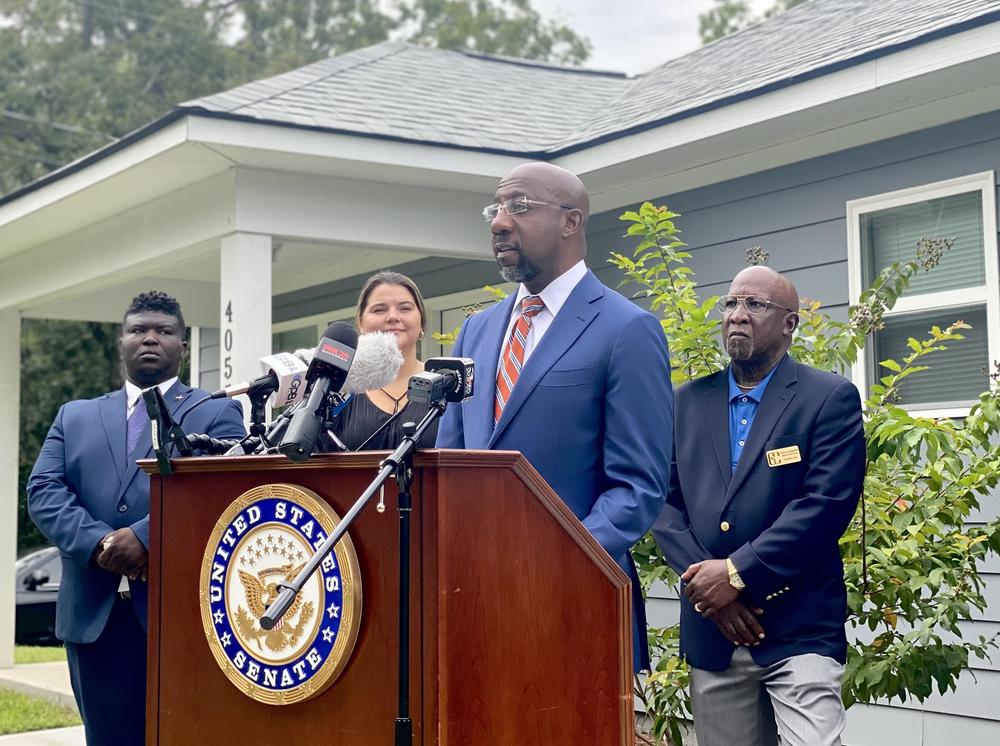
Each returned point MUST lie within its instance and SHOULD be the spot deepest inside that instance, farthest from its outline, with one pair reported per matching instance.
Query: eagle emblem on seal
(261, 589)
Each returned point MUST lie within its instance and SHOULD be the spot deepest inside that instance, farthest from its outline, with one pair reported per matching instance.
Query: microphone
(284, 375)
(445, 379)
(326, 373)
(376, 365)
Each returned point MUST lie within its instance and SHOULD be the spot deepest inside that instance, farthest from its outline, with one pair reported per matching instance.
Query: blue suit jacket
(784, 522)
(591, 412)
(84, 486)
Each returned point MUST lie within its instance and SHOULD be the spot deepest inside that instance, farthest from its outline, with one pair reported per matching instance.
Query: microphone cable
(382, 427)
(193, 407)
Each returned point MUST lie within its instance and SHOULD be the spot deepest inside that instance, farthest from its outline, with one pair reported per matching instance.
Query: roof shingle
(468, 100)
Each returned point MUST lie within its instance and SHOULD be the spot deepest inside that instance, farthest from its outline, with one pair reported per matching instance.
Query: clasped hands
(121, 553)
(708, 588)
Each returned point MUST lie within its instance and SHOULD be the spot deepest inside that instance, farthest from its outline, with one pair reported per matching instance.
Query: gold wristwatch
(734, 577)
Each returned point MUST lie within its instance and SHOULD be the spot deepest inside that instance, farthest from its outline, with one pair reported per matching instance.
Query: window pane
(956, 376)
(53, 568)
(293, 339)
(891, 235)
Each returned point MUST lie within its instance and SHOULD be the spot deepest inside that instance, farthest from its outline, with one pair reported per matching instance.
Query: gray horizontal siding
(798, 212)
(209, 359)
(900, 726)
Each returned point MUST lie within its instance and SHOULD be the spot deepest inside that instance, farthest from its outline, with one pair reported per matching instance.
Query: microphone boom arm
(389, 466)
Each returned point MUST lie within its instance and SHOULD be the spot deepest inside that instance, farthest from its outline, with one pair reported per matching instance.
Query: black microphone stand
(404, 504)
(398, 464)
(258, 415)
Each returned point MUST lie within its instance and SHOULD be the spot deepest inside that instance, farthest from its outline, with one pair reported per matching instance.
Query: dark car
(37, 577)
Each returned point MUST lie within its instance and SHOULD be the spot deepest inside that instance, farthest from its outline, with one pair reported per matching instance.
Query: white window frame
(988, 294)
(437, 305)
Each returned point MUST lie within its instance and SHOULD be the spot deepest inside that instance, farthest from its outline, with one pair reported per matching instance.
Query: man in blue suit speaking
(769, 463)
(89, 498)
(581, 374)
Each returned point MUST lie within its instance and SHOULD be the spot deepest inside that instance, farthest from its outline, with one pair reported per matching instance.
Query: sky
(632, 36)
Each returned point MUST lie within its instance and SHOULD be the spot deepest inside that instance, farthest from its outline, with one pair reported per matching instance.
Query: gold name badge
(782, 456)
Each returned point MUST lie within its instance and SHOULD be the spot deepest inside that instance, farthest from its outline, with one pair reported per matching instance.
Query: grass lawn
(38, 654)
(20, 713)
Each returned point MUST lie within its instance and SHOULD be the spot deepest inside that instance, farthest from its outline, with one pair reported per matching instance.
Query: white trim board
(989, 293)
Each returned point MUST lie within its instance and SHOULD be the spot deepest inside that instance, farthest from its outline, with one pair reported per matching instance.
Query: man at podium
(89, 498)
(575, 376)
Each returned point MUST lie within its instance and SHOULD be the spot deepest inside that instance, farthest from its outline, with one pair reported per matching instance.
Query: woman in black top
(389, 302)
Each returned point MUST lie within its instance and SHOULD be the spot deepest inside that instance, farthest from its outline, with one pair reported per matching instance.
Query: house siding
(797, 213)
(209, 358)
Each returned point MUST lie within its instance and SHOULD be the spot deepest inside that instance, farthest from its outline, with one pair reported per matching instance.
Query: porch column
(10, 419)
(245, 310)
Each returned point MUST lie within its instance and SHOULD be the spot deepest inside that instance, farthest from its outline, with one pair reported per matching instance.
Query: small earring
(421, 336)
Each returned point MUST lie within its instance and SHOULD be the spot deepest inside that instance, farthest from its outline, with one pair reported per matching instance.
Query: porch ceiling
(194, 281)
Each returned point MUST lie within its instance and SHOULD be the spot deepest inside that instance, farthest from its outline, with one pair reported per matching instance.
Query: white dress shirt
(133, 393)
(554, 297)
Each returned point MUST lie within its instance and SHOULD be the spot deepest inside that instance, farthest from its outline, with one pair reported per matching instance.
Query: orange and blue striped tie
(513, 354)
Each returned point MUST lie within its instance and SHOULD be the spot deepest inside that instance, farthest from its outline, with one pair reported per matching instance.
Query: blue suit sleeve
(673, 528)
(821, 514)
(53, 505)
(638, 436)
(451, 432)
(228, 423)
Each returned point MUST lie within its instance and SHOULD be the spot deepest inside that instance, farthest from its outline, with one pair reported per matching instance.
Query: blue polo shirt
(742, 410)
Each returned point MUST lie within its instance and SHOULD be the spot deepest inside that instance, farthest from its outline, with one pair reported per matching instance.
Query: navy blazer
(591, 412)
(83, 486)
(780, 525)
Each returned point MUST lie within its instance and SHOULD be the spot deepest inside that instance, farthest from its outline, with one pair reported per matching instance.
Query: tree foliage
(726, 17)
(60, 360)
(911, 556)
(77, 74)
(511, 28)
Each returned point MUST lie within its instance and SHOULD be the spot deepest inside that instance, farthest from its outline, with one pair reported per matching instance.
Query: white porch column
(245, 294)
(10, 418)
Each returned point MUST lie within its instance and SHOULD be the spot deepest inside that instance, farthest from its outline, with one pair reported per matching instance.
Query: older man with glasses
(768, 466)
(576, 376)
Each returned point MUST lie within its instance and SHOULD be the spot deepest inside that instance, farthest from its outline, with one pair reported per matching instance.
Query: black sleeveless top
(360, 418)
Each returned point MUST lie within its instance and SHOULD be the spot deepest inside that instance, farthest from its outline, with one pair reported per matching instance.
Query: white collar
(133, 392)
(555, 294)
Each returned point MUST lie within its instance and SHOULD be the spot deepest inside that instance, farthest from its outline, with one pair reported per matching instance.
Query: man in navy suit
(582, 378)
(769, 463)
(89, 498)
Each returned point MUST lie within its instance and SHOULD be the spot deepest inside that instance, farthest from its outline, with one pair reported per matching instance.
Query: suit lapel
(175, 398)
(487, 354)
(574, 316)
(112, 408)
(716, 412)
(777, 395)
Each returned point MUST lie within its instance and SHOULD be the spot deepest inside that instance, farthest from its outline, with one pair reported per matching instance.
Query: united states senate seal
(264, 538)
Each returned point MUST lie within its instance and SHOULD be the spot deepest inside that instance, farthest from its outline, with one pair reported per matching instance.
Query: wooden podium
(520, 622)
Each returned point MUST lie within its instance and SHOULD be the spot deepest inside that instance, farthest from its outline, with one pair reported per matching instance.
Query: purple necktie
(137, 422)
